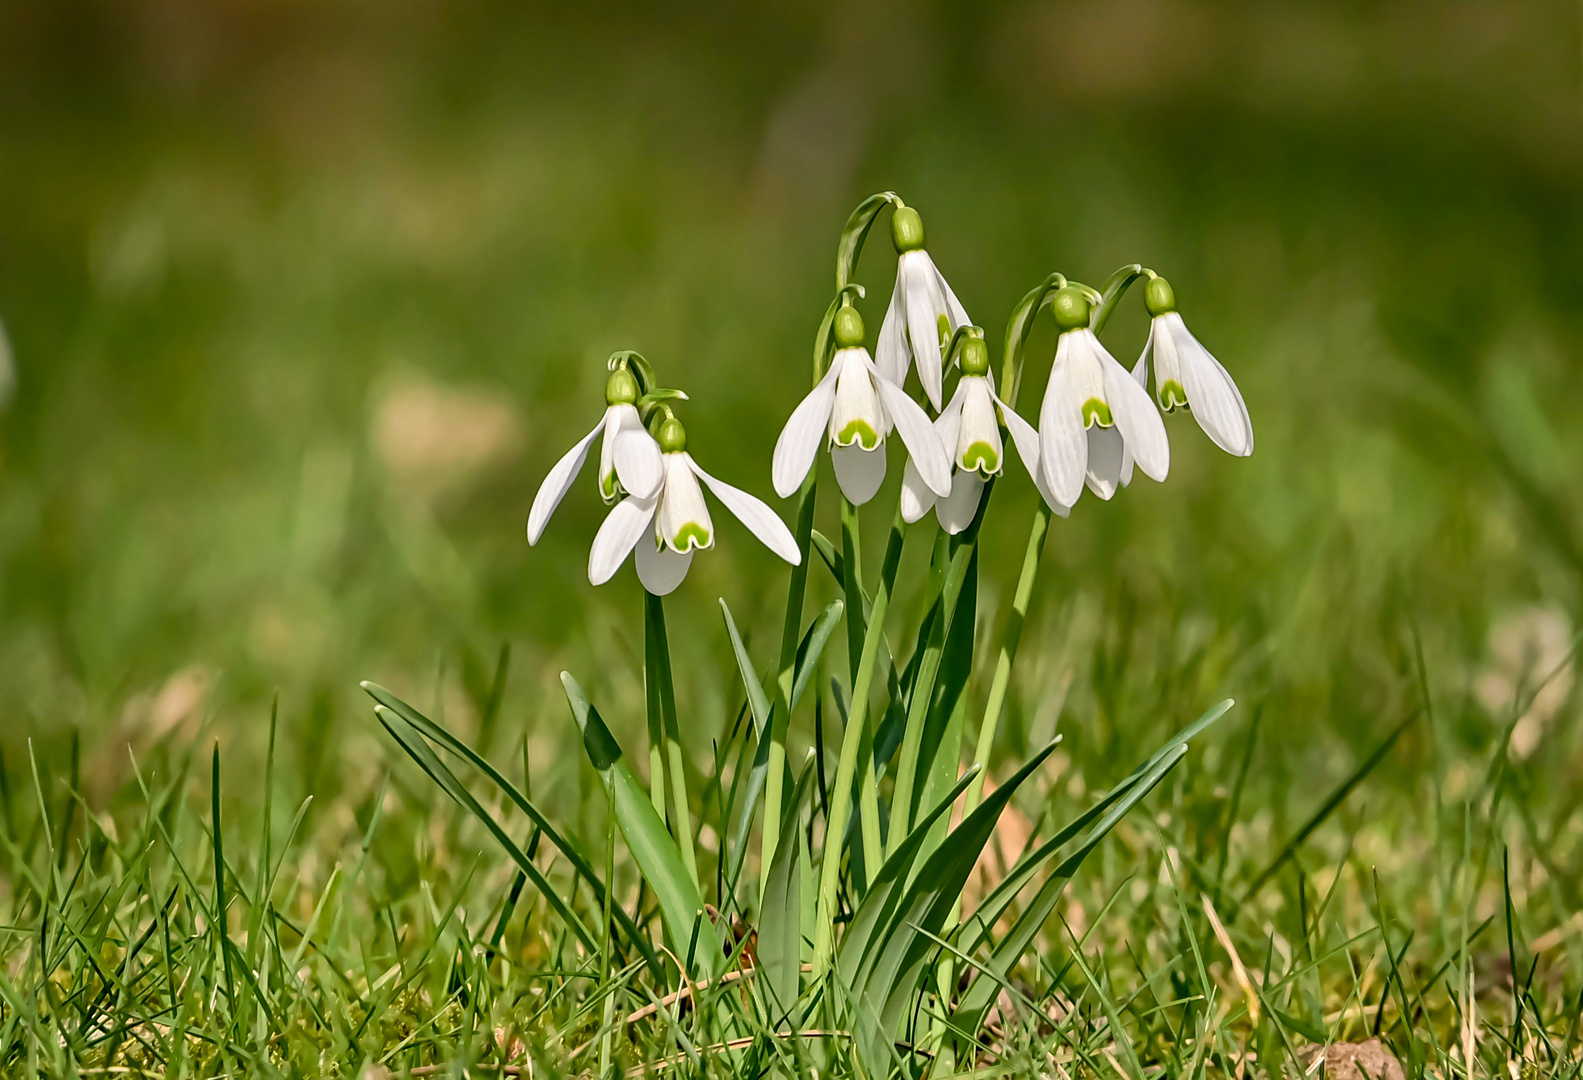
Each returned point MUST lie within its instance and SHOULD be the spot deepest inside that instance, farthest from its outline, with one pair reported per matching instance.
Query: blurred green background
(304, 299)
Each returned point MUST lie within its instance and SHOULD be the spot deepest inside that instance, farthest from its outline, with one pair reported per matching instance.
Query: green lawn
(304, 302)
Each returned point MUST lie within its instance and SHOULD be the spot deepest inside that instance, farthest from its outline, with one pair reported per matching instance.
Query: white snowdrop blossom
(1187, 376)
(969, 428)
(668, 526)
(922, 310)
(1096, 420)
(853, 409)
(629, 458)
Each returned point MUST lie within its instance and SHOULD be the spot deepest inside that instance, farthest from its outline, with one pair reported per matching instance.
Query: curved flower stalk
(673, 522)
(970, 429)
(923, 309)
(853, 408)
(1187, 376)
(629, 458)
(1096, 419)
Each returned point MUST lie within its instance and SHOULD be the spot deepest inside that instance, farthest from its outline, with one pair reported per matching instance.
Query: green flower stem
(994, 707)
(662, 691)
(857, 647)
(923, 686)
(780, 715)
(851, 741)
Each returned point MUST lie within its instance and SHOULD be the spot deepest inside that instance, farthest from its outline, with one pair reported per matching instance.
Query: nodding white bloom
(1096, 421)
(922, 310)
(970, 430)
(629, 459)
(854, 407)
(669, 525)
(1187, 376)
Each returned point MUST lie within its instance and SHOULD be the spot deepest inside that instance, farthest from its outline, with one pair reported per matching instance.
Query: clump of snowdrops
(849, 948)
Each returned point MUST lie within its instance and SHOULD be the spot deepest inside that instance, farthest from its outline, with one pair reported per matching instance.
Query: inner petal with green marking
(608, 486)
(982, 457)
(858, 431)
(1172, 396)
(689, 536)
(1096, 411)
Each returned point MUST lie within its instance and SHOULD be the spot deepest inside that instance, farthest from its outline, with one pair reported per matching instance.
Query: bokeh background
(302, 300)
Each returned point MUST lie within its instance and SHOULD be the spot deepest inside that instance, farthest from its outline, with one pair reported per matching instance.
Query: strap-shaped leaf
(780, 916)
(408, 738)
(651, 846)
(975, 1003)
(449, 742)
(902, 944)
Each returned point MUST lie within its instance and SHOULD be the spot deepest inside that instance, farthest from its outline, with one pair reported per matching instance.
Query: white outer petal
(1137, 419)
(1026, 439)
(918, 436)
(1106, 455)
(924, 308)
(558, 482)
(859, 472)
(890, 351)
(761, 521)
(1212, 395)
(1063, 446)
(618, 419)
(800, 438)
(1140, 370)
(956, 510)
(638, 464)
(626, 524)
(948, 425)
(916, 498)
(953, 306)
(660, 569)
(682, 504)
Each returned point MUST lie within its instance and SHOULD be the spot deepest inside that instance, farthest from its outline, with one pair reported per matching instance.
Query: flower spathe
(919, 304)
(969, 428)
(666, 528)
(1096, 421)
(629, 459)
(1187, 376)
(853, 408)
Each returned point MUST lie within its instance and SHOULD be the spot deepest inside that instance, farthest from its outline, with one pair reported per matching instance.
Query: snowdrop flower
(669, 525)
(922, 305)
(854, 407)
(1096, 420)
(629, 459)
(970, 431)
(1186, 376)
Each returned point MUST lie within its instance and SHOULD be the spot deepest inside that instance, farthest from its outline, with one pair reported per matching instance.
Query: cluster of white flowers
(1096, 423)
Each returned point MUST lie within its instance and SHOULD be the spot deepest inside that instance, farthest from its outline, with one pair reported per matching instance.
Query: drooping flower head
(629, 459)
(923, 309)
(1096, 419)
(1187, 376)
(853, 408)
(673, 522)
(970, 429)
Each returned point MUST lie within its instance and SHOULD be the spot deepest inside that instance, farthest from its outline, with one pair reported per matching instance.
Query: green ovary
(858, 431)
(1172, 396)
(685, 536)
(1095, 410)
(982, 457)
